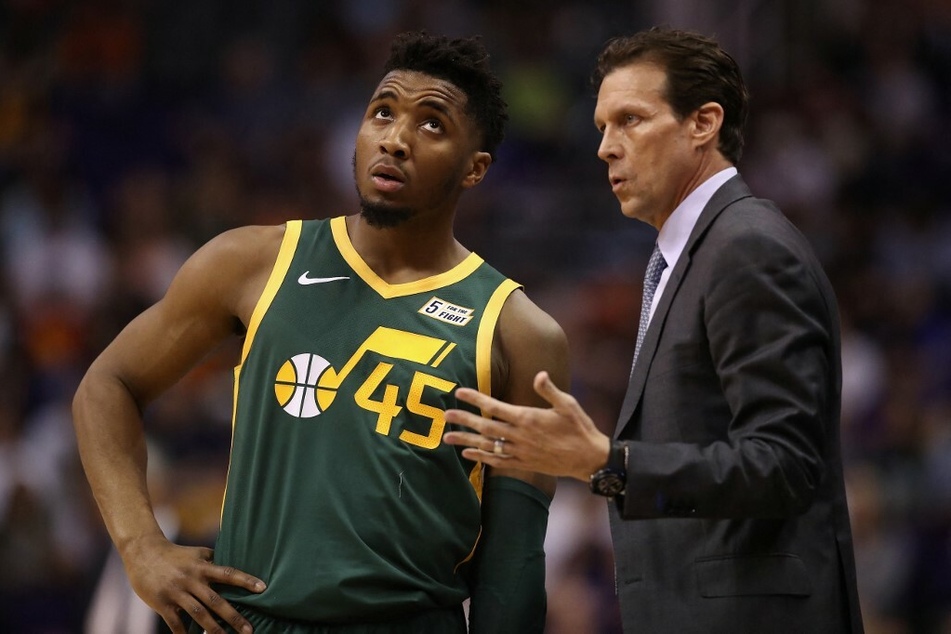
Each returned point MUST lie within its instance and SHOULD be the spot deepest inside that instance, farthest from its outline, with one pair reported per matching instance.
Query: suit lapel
(731, 191)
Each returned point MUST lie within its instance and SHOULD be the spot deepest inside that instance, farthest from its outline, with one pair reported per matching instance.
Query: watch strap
(617, 457)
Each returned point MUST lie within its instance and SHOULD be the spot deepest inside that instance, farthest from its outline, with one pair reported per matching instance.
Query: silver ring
(498, 448)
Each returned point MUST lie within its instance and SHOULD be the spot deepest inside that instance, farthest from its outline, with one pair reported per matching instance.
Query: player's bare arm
(210, 300)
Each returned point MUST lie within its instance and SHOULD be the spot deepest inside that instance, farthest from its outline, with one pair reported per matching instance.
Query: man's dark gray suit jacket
(734, 519)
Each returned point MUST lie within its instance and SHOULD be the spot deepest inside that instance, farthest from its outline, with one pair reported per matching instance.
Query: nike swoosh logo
(303, 280)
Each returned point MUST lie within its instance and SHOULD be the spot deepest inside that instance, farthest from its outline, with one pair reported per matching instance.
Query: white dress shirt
(676, 230)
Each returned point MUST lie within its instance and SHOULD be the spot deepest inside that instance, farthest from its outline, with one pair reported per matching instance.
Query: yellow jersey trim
(386, 290)
(486, 334)
(484, 339)
(282, 264)
(278, 273)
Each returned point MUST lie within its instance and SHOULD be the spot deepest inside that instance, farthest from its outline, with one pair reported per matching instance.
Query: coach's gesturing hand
(561, 440)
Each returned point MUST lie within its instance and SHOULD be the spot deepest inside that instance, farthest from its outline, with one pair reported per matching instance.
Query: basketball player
(344, 511)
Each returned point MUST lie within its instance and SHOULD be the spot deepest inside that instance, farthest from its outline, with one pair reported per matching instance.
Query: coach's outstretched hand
(560, 441)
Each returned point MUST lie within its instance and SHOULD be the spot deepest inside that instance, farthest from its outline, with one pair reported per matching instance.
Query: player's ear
(477, 169)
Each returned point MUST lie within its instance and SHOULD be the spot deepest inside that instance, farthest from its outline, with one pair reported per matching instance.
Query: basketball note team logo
(297, 386)
(306, 384)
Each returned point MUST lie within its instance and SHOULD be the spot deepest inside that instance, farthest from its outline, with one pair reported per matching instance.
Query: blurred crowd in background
(132, 131)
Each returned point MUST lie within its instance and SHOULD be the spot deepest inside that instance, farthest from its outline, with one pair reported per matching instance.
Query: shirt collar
(673, 235)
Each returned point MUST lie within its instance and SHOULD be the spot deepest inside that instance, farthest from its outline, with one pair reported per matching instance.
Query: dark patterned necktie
(655, 267)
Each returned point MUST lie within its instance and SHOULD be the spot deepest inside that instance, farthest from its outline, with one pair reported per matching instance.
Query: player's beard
(383, 215)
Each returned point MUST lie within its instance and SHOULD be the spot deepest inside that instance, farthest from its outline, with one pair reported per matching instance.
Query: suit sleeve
(769, 329)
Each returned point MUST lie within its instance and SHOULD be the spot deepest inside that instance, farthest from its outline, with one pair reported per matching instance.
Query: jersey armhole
(486, 334)
(282, 264)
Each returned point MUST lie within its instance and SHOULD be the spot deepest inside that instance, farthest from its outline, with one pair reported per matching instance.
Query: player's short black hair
(463, 62)
(698, 72)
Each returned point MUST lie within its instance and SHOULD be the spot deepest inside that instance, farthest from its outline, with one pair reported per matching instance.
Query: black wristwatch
(612, 477)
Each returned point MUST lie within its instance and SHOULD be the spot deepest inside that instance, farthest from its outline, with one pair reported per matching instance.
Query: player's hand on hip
(174, 580)
(561, 440)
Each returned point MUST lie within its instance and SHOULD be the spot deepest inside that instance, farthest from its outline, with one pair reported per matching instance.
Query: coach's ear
(706, 121)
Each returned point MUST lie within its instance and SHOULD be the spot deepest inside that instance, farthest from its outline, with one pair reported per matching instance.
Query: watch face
(607, 483)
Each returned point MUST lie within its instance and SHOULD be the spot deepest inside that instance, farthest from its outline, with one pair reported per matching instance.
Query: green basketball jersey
(341, 495)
